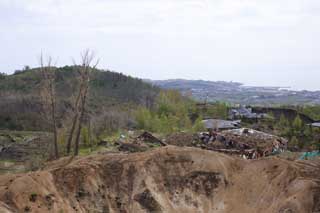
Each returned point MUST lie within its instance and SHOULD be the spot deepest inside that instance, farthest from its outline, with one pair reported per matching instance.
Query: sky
(256, 42)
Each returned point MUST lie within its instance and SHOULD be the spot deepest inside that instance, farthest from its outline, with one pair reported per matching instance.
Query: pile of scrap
(141, 143)
(248, 143)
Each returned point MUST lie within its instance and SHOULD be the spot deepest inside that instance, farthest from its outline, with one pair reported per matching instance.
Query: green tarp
(309, 155)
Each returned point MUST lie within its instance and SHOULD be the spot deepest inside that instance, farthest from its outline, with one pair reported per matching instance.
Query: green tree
(284, 126)
(283, 122)
(171, 113)
(163, 124)
(143, 118)
(312, 111)
(297, 125)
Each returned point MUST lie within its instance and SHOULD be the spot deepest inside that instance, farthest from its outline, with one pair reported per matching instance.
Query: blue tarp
(309, 155)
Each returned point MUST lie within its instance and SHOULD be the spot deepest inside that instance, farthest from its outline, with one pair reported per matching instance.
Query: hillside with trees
(21, 104)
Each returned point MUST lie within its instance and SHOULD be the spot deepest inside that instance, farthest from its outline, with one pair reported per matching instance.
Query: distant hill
(109, 92)
(237, 93)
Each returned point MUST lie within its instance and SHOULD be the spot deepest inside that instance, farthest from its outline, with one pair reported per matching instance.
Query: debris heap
(248, 143)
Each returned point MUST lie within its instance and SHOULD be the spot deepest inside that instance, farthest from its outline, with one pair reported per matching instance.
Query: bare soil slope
(168, 179)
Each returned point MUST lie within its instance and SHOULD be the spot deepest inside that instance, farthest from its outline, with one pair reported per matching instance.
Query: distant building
(316, 124)
(219, 124)
(244, 112)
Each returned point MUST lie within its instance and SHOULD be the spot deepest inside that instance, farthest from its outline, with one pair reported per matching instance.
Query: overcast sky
(257, 42)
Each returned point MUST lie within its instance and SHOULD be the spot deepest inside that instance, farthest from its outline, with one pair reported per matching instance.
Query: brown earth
(182, 139)
(167, 179)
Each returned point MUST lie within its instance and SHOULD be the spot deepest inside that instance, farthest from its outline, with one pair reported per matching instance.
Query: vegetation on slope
(109, 91)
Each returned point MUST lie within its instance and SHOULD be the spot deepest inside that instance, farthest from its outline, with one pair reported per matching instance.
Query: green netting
(309, 155)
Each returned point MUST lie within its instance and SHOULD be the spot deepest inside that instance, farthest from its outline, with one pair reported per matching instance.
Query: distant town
(237, 93)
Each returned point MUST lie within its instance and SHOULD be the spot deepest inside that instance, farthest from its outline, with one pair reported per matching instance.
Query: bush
(297, 124)
(198, 126)
(294, 142)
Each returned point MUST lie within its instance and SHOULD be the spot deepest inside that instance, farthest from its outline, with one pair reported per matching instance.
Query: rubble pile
(248, 143)
(141, 143)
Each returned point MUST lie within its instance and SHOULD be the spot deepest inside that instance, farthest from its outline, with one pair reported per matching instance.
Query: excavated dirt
(183, 139)
(167, 179)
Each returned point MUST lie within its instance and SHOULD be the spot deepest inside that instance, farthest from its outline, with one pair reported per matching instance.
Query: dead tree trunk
(54, 121)
(74, 121)
(85, 71)
(69, 142)
(49, 99)
(83, 103)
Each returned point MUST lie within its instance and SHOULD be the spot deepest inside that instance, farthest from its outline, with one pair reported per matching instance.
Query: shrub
(198, 125)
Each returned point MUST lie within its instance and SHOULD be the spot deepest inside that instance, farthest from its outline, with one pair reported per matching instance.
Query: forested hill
(20, 105)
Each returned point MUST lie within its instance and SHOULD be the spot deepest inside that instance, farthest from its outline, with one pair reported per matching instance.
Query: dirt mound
(168, 179)
(182, 139)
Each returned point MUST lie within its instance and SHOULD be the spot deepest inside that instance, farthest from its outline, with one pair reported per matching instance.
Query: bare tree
(48, 95)
(84, 71)
(75, 117)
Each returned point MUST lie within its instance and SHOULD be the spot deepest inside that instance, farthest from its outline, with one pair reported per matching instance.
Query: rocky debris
(167, 179)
